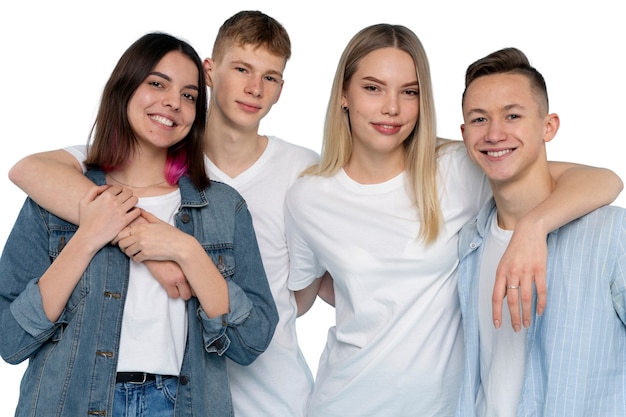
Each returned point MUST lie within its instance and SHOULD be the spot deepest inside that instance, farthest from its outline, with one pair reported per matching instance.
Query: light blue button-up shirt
(576, 351)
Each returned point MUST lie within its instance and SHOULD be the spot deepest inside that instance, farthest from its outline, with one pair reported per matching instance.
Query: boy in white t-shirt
(245, 77)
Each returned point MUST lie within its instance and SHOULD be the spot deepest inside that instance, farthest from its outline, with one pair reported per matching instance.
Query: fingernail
(516, 328)
(496, 323)
(539, 311)
(526, 323)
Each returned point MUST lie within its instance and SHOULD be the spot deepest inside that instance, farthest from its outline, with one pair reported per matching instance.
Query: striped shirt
(576, 351)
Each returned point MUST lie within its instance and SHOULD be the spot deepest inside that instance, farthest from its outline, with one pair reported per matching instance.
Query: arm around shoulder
(579, 189)
(54, 179)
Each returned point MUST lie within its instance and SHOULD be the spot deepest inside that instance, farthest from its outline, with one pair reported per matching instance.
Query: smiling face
(162, 109)
(245, 83)
(506, 126)
(382, 98)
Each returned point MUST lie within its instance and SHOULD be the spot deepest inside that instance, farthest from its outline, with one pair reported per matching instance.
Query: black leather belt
(134, 377)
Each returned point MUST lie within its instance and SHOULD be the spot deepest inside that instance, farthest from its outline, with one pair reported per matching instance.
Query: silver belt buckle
(139, 383)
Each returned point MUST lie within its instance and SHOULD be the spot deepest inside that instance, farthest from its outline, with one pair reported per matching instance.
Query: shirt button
(183, 380)
(473, 245)
(185, 217)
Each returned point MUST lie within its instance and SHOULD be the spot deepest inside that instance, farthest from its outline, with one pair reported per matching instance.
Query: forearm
(54, 180)
(58, 282)
(327, 289)
(578, 190)
(207, 282)
(306, 296)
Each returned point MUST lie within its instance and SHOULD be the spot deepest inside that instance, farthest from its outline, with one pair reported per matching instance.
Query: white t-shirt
(279, 381)
(154, 326)
(397, 347)
(502, 351)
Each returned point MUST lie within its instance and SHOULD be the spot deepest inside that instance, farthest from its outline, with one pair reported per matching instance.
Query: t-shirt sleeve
(463, 178)
(304, 266)
(80, 153)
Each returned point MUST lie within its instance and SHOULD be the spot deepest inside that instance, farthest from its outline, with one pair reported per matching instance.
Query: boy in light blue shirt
(571, 361)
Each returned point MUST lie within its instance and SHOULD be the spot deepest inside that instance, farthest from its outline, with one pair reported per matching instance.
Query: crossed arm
(55, 181)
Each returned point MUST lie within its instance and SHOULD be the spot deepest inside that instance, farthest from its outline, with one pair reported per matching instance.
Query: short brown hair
(254, 28)
(508, 60)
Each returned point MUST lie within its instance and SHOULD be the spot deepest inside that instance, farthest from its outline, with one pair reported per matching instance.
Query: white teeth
(497, 154)
(162, 120)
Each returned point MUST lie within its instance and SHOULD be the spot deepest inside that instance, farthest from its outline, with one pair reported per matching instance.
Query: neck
(367, 168)
(516, 199)
(232, 151)
(145, 175)
(136, 186)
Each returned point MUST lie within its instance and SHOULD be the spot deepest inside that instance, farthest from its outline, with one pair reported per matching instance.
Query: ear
(552, 124)
(463, 131)
(208, 65)
(344, 101)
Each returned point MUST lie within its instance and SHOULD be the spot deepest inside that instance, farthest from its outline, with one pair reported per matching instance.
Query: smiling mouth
(497, 154)
(162, 120)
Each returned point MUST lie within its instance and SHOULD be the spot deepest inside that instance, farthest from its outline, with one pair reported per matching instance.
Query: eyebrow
(508, 107)
(167, 78)
(247, 65)
(376, 80)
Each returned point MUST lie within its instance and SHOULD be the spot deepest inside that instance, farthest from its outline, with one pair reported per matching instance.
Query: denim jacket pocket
(223, 257)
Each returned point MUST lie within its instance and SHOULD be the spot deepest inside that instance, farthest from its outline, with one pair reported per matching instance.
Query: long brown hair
(112, 137)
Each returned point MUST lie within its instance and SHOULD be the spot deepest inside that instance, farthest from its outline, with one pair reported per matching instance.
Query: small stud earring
(344, 108)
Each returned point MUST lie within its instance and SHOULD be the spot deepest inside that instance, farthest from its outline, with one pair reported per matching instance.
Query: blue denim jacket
(72, 363)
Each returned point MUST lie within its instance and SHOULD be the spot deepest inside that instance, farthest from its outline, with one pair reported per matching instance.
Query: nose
(172, 100)
(495, 131)
(254, 86)
(391, 105)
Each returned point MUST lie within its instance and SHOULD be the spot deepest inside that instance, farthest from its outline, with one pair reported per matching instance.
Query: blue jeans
(150, 399)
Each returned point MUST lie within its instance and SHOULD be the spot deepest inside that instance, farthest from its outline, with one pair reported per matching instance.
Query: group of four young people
(377, 217)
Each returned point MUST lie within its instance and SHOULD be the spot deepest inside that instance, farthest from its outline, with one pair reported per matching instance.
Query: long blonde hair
(421, 145)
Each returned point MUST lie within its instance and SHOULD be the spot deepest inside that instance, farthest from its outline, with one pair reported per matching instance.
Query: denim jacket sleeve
(23, 323)
(246, 331)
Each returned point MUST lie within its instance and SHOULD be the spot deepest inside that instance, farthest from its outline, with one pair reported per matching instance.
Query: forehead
(500, 89)
(387, 64)
(177, 64)
(254, 55)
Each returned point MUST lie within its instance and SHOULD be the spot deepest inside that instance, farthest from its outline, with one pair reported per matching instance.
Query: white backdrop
(56, 57)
